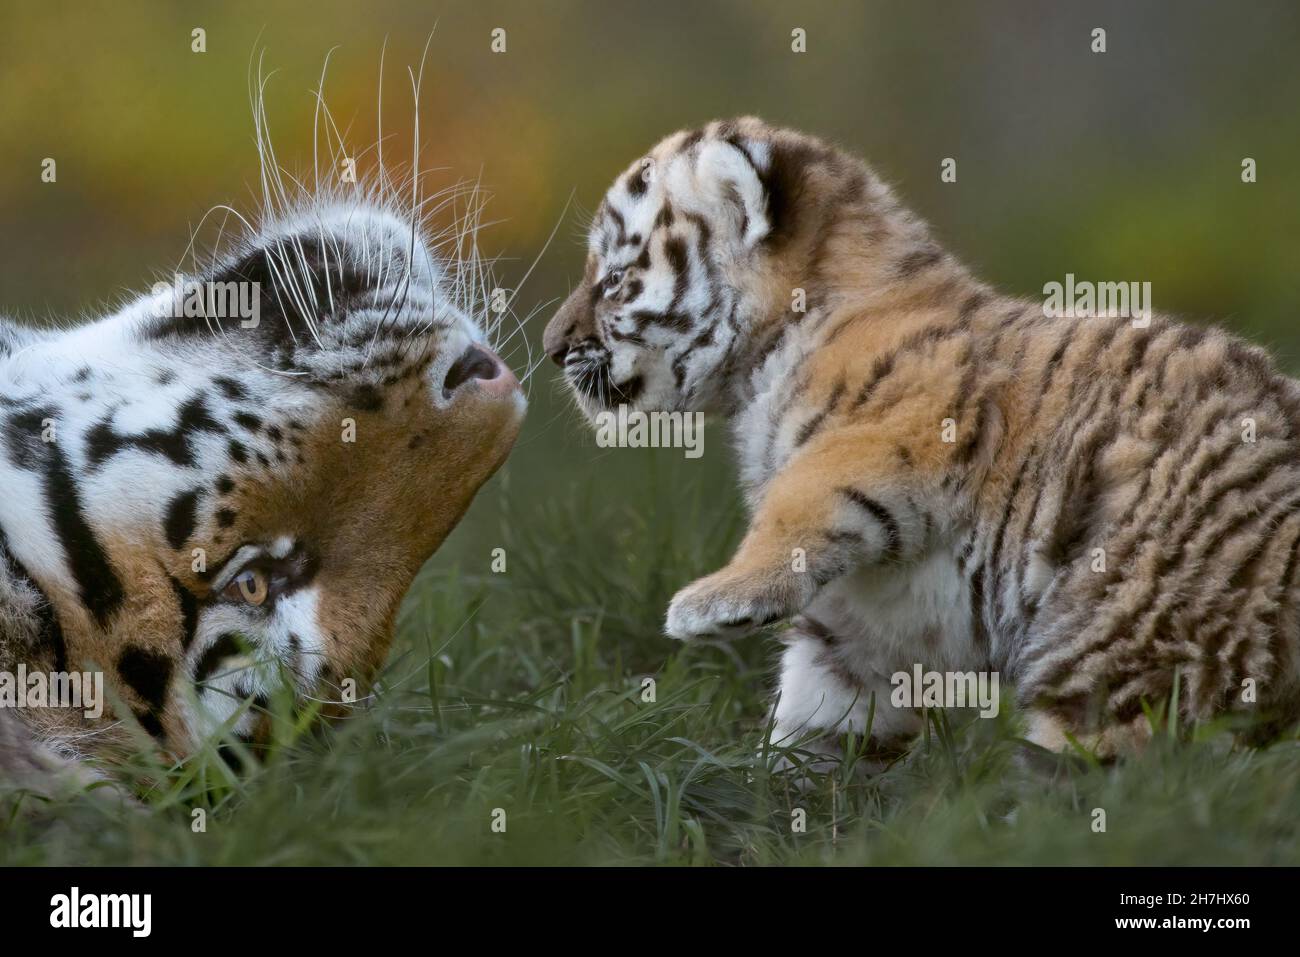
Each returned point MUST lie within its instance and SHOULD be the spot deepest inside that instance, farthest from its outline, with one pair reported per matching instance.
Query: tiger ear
(729, 174)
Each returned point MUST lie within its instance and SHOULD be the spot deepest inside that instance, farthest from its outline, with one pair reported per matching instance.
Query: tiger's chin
(595, 390)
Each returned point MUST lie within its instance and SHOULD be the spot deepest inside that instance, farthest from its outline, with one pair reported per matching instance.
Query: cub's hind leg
(1227, 656)
(1060, 733)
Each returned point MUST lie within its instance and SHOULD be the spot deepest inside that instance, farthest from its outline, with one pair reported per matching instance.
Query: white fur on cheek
(297, 638)
(287, 642)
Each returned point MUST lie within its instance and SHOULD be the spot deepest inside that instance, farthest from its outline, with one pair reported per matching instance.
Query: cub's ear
(729, 175)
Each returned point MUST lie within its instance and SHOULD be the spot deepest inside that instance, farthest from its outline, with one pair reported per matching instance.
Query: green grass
(524, 692)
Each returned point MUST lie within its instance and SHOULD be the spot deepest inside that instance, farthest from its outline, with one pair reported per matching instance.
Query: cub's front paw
(724, 606)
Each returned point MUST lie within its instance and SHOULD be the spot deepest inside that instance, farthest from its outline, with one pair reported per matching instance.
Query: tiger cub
(940, 475)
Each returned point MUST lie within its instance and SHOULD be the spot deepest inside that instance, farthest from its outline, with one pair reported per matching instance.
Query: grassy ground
(523, 692)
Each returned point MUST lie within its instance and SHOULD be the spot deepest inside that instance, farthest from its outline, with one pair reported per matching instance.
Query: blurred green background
(1122, 165)
(515, 689)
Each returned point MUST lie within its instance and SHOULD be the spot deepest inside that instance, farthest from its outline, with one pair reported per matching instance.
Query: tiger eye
(250, 586)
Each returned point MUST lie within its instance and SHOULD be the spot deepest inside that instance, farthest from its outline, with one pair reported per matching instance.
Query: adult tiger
(210, 508)
(941, 475)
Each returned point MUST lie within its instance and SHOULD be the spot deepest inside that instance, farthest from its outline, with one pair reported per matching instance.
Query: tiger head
(698, 255)
(224, 489)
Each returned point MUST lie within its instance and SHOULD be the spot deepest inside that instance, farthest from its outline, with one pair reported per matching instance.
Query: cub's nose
(555, 343)
(478, 363)
(573, 322)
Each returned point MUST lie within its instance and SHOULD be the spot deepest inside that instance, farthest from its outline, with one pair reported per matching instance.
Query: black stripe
(893, 537)
(966, 387)
(227, 645)
(103, 441)
(784, 186)
(98, 586)
(147, 673)
(981, 635)
(883, 366)
(773, 341)
(1141, 342)
(636, 181)
(963, 454)
(703, 236)
(669, 320)
(231, 388)
(970, 306)
(151, 723)
(1081, 495)
(814, 628)
(179, 523)
(248, 421)
(189, 606)
(991, 346)
(880, 369)
(839, 328)
(1049, 370)
(23, 437)
(919, 259)
(680, 262)
(619, 225)
(1008, 509)
(812, 425)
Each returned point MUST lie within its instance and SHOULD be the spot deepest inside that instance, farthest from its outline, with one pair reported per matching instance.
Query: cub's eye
(250, 586)
(613, 279)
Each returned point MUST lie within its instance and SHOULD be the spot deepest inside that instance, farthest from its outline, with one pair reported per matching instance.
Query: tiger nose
(575, 320)
(555, 343)
(478, 363)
